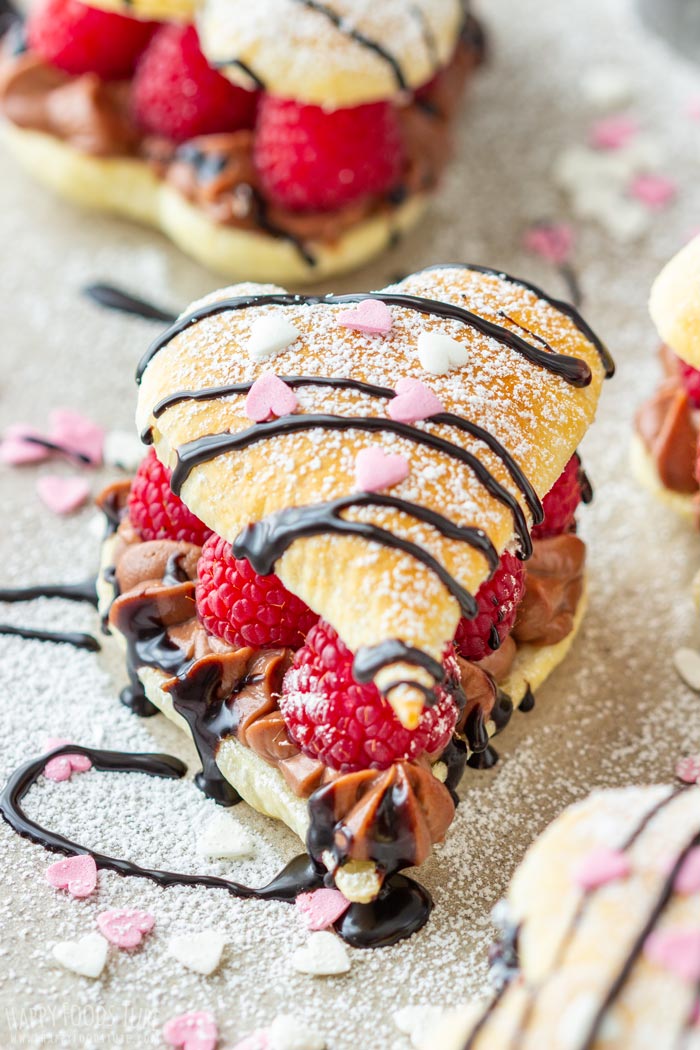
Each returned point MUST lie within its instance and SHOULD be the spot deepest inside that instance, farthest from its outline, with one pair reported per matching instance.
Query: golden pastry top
(333, 53)
(156, 10)
(389, 566)
(675, 303)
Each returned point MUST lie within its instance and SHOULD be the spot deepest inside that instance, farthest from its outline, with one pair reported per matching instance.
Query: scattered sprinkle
(606, 87)
(122, 449)
(77, 875)
(269, 336)
(600, 867)
(269, 397)
(196, 1030)
(321, 908)
(613, 133)
(62, 495)
(371, 316)
(376, 469)
(61, 767)
(414, 401)
(200, 952)
(224, 837)
(688, 769)
(288, 1032)
(323, 955)
(677, 950)
(439, 353)
(654, 191)
(125, 927)
(86, 956)
(552, 241)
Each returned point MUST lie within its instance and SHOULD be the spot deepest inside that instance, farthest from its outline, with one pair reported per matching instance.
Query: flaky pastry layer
(674, 303)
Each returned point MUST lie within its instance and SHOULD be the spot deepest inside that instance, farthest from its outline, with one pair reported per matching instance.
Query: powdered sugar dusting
(614, 714)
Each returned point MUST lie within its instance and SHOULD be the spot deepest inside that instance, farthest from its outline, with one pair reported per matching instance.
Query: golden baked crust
(369, 592)
(585, 978)
(675, 303)
(336, 53)
(158, 10)
(128, 187)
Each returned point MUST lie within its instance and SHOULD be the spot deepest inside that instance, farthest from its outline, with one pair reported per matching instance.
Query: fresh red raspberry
(156, 512)
(236, 604)
(561, 502)
(312, 160)
(176, 93)
(79, 39)
(498, 599)
(348, 725)
(690, 378)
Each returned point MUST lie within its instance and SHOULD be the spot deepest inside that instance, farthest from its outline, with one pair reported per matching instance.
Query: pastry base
(644, 470)
(128, 187)
(261, 785)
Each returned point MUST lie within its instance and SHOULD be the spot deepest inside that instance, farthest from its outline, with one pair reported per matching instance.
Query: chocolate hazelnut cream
(669, 426)
(222, 692)
(216, 172)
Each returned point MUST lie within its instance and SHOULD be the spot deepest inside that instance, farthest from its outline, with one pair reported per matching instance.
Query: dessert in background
(274, 140)
(665, 446)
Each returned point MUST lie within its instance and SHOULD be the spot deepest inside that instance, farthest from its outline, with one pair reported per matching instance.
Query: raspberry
(690, 378)
(176, 92)
(79, 39)
(348, 725)
(236, 604)
(561, 502)
(312, 160)
(498, 599)
(156, 512)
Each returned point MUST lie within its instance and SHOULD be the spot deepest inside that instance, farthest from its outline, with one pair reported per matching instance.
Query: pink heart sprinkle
(371, 316)
(613, 132)
(414, 401)
(125, 927)
(196, 1030)
(676, 950)
(321, 908)
(73, 431)
(688, 876)
(62, 495)
(599, 867)
(376, 469)
(552, 241)
(78, 875)
(269, 397)
(16, 450)
(656, 191)
(61, 768)
(693, 108)
(259, 1040)
(688, 769)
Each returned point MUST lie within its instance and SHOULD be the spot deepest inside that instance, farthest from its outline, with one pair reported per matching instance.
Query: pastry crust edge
(644, 470)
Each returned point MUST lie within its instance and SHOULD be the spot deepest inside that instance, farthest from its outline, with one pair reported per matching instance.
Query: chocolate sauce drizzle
(401, 908)
(85, 591)
(122, 302)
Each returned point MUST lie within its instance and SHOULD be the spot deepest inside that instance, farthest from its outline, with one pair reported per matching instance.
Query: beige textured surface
(614, 713)
(129, 188)
(674, 303)
(316, 62)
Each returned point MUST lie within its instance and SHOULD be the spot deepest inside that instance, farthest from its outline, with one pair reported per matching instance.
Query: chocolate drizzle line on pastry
(571, 369)
(401, 908)
(371, 390)
(122, 302)
(663, 899)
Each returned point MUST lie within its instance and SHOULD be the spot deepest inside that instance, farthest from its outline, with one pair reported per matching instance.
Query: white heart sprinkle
(323, 955)
(200, 952)
(606, 87)
(418, 1022)
(269, 336)
(122, 449)
(439, 353)
(687, 663)
(288, 1032)
(223, 837)
(86, 956)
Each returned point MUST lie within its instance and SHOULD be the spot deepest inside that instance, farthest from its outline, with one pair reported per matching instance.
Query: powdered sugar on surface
(615, 713)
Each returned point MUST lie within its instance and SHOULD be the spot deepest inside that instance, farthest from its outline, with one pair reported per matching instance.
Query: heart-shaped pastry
(269, 397)
(196, 1030)
(86, 956)
(200, 952)
(77, 875)
(391, 574)
(610, 961)
(125, 927)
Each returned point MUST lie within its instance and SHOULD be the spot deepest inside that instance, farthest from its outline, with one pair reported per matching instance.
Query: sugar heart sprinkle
(62, 495)
(86, 956)
(200, 952)
(60, 768)
(77, 875)
(376, 469)
(196, 1030)
(321, 908)
(269, 398)
(371, 316)
(677, 950)
(125, 927)
(439, 353)
(323, 955)
(599, 867)
(269, 336)
(688, 769)
(414, 401)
